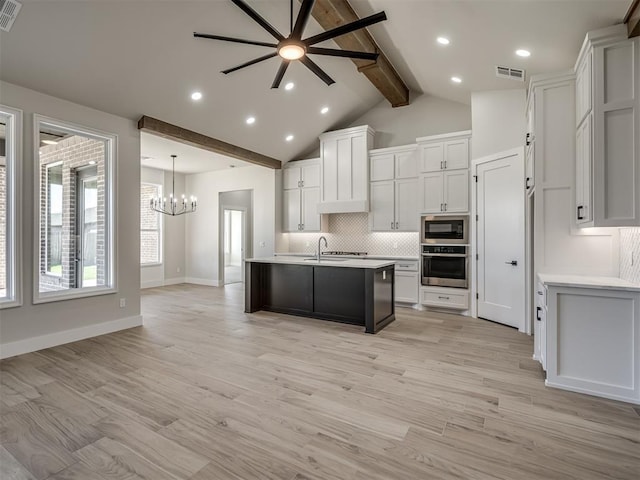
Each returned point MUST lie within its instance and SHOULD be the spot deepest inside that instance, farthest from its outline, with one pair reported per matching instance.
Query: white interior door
(501, 239)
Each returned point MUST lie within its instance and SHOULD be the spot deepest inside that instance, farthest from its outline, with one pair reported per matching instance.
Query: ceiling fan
(294, 47)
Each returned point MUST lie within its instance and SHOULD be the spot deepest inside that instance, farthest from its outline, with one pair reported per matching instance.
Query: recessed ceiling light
(324, 110)
(443, 41)
(288, 138)
(523, 53)
(196, 96)
(289, 86)
(250, 120)
(456, 79)
(50, 142)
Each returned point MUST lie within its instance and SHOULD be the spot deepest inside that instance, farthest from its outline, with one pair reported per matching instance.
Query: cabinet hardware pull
(445, 164)
(441, 209)
(391, 225)
(526, 183)
(441, 167)
(538, 309)
(445, 207)
(302, 226)
(443, 298)
(580, 217)
(396, 225)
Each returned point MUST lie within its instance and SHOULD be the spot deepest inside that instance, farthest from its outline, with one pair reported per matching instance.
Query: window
(150, 227)
(10, 140)
(74, 195)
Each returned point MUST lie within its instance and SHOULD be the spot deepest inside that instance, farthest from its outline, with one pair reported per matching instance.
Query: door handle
(538, 309)
(512, 262)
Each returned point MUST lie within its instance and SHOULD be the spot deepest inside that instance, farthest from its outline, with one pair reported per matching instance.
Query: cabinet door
(310, 175)
(310, 218)
(381, 167)
(456, 191)
(456, 154)
(291, 214)
(432, 193)
(407, 214)
(406, 287)
(432, 157)
(406, 164)
(583, 88)
(291, 177)
(382, 206)
(584, 162)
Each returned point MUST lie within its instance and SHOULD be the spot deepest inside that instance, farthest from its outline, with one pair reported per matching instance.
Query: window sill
(10, 304)
(142, 265)
(72, 295)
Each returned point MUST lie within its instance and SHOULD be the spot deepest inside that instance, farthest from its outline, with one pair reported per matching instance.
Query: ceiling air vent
(509, 73)
(8, 12)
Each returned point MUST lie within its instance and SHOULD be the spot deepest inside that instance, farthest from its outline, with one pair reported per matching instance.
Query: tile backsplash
(349, 232)
(630, 254)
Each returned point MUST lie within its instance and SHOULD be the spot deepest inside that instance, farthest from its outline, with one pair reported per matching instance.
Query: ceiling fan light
(291, 51)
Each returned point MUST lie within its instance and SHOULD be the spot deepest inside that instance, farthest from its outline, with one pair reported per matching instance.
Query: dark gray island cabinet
(359, 292)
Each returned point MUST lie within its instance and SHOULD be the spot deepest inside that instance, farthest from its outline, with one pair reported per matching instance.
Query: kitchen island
(355, 291)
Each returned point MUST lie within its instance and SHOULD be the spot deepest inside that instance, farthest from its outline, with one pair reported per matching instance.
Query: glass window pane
(149, 241)
(3, 220)
(74, 238)
(149, 225)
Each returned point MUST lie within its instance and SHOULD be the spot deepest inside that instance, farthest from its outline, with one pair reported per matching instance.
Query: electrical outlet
(178, 270)
(262, 244)
(307, 244)
(123, 302)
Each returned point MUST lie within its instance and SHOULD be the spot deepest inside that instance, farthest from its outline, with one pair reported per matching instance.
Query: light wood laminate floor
(204, 391)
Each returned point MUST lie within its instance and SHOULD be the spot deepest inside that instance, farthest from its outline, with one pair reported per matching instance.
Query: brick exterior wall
(3, 226)
(75, 152)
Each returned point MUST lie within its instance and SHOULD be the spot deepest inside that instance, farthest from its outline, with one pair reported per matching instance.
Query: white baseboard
(202, 281)
(33, 344)
(174, 281)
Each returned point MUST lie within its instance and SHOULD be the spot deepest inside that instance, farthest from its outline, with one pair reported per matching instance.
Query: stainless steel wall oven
(445, 266)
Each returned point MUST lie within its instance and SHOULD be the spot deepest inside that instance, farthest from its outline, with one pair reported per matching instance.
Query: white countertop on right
(587, 281)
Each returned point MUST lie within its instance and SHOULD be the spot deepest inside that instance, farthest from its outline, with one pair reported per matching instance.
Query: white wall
(424, 116)
(202, 227)
(498, 121)
(31, 327)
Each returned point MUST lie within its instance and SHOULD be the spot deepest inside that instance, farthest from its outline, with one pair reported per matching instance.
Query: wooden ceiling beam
(632, 19)
(194, 139)
(332, 13)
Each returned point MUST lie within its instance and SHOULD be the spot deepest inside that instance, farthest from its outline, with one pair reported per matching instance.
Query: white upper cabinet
(607, 134)
(444, 152)
(344, 170)
(444, 183)
(301, 195)
(394, 189)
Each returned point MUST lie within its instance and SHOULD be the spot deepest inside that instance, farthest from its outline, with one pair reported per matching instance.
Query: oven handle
(459, 255)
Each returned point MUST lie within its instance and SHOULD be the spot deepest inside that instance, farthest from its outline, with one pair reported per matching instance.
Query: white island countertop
(588, 281)
(325, 262)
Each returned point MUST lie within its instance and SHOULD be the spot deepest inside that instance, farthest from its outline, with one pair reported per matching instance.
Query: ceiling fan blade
(342, 53)
(306, 61)
(303, 18)
(283, 68)
(235, 40)
(258, 19)
(252, 62)
(347, 28)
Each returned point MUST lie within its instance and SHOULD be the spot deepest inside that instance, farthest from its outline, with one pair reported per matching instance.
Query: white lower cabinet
(455, 298)
(593, 341)
(540, 327)
(406, 282)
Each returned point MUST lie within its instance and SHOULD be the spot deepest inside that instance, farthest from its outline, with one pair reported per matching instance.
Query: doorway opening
(236, 237)
(234, 233)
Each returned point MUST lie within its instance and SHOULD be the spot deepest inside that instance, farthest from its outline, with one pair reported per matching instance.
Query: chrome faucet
(319, 242)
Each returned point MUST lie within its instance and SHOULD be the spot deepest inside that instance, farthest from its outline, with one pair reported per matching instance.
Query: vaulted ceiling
(134, 58)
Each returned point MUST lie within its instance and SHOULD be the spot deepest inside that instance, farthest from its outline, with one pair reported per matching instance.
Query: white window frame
(160, 231)
(13, 250)
(111, 144)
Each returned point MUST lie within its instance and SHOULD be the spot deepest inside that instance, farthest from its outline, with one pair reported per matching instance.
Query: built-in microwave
(444, 229)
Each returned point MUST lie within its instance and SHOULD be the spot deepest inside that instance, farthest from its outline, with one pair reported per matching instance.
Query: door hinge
(476, 178)
(477, 256)
(477, 296)
(477, 218)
